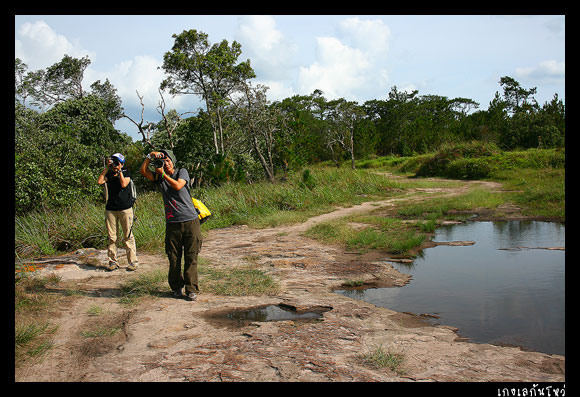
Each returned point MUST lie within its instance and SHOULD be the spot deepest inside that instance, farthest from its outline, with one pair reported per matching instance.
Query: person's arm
(123, 179)
(102, 178)
(175, 184)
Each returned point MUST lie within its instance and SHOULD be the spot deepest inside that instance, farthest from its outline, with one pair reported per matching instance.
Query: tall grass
(537, 173)
(540, 192)
(260, 204)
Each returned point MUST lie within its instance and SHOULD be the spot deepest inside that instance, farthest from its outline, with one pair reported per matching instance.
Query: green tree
(516, 97)
(262, 124)
(59, 82)
(112, 102)
(301, 143)
(342, 120)
(59, 153)
(195, 67)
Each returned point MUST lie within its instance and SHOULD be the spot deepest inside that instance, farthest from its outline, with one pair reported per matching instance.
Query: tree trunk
(352, 148)
(269, 173)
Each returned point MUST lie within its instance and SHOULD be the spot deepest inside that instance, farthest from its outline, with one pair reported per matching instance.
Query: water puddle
(281, 312)
(508, 288)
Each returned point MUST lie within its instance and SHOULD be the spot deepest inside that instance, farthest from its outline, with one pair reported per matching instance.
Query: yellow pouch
(202, 210)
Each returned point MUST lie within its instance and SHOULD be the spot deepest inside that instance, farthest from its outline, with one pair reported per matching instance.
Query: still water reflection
(501, 290)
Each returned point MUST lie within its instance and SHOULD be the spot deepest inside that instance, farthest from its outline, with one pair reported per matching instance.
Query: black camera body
(158, 162)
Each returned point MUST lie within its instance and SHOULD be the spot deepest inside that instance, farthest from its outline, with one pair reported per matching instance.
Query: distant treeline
(63, 134)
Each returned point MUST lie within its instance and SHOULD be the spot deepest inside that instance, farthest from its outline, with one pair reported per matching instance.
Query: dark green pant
(183, 239)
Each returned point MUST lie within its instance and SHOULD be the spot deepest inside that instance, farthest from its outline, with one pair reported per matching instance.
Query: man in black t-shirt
(119, 209)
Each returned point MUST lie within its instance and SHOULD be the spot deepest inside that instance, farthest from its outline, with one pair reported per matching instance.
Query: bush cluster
(478, 160)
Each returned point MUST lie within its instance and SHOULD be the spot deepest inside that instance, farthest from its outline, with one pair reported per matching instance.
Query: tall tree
(61, 81)
(195, 67)
(516, 97)
(261, 122)
(108, 93)
(343, 117)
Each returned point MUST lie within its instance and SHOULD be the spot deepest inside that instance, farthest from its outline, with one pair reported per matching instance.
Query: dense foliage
(63, 133)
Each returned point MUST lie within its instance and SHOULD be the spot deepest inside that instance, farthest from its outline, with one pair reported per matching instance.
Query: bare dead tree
(170, 126)
(143, 127)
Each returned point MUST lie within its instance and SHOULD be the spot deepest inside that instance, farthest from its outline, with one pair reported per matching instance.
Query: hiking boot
(191, 296)
(112, 266)
(178, 293)
(132, 267)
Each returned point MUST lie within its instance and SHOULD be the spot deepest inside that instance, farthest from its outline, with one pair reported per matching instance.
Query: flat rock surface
(167, 339)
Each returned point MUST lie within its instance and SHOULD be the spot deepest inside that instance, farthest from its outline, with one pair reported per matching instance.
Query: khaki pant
(183, 239)
(125, 218)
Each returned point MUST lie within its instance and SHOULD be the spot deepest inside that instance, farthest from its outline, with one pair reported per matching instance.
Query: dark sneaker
(178, 293)
(132, 267)
(191, 296)
(112, 266)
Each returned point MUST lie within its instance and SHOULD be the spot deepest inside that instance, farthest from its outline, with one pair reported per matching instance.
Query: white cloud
(39, 46)
(546, 70)
(339, 70)
(349, 67)
(372, 37)
(140, 74)
(271, 54)
(277, 91)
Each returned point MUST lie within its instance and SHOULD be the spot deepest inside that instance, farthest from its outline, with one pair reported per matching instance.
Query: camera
(158, 162)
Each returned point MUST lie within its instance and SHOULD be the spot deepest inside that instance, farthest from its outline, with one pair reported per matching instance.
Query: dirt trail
(167, 339)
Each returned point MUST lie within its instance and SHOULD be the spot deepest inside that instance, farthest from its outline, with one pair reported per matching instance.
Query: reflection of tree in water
(532, 233)
(505, 234)
(272, 313)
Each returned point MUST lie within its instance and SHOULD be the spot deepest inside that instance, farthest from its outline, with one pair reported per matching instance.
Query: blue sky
(356, 57)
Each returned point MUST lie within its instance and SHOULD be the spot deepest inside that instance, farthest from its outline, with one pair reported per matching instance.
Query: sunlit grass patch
(386, 234)
(237, 281)
(379, 358)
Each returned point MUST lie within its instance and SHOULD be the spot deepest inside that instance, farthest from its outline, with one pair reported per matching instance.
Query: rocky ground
(168, 339)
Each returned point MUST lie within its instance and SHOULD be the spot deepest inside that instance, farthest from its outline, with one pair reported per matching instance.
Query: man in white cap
(119, 209)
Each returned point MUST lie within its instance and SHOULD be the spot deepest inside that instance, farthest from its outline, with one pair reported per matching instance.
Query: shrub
(438, 164)
(468, 168)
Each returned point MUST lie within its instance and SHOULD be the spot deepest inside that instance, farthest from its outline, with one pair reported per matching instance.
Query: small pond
(506, 289)
(241, 317)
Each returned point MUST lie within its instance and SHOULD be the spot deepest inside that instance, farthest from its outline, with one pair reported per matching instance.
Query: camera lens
(158, 163)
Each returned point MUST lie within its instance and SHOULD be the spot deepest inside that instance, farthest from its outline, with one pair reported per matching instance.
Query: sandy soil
(168, 339)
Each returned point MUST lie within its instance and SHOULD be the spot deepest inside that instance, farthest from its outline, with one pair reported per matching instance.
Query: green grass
(152, 283)
(32, 340)
(380, 358)
(237, 281)
(33, 332)
(385, 234)
(534, 179)
(540, 192)
(100, 332)
(437, 208)
(261, 204)
(537, 173)
(231, 282)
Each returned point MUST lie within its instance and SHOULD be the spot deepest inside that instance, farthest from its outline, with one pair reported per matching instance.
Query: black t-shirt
(119, 198)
